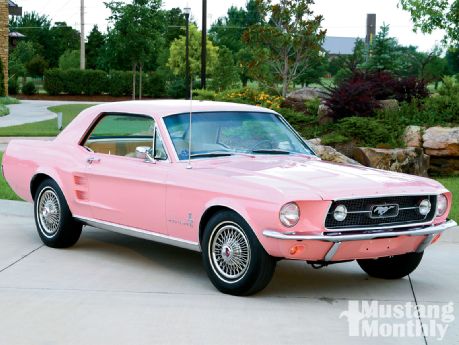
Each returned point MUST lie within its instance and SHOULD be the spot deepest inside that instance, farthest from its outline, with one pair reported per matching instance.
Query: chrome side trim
(431, 230)
(139, 233)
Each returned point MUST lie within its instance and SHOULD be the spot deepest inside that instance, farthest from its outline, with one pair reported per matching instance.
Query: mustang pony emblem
(382, 210)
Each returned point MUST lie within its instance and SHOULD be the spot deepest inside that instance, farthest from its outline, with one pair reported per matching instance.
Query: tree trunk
(285, 77)
(134, 68)
(140, 80)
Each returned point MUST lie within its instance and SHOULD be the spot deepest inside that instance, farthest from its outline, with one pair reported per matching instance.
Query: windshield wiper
(212, 154)
(272, 152)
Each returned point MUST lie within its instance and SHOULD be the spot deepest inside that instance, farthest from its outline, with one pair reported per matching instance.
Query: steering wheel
(261, 143)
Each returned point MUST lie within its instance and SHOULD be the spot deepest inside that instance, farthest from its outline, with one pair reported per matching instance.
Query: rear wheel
(55, 224)
(235, 261)
(391, 267)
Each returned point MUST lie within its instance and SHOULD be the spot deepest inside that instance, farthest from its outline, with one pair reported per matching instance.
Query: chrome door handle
(91, 160)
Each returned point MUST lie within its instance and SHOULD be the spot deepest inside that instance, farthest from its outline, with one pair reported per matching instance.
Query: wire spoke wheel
(230, 252)
(49, 212)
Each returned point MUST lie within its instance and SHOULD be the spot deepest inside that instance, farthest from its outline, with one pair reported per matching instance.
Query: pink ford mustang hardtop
(232, 181)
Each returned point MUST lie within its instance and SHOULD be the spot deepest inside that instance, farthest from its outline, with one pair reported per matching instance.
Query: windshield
(227, 133)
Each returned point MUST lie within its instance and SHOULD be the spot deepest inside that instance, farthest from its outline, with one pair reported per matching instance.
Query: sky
(341, 17)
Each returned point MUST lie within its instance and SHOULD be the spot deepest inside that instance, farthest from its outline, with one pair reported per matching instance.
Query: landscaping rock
(389, 104)
(412, 136)
(324, 115)
(328, 153)
(410, 160)
(306, 94)
(444, 166)
(441, 141)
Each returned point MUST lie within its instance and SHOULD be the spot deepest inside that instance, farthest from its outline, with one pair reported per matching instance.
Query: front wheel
(235, 261)
(55, 224)
(391, 267)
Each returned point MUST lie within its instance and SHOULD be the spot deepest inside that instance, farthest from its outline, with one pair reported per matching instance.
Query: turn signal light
(296, 250)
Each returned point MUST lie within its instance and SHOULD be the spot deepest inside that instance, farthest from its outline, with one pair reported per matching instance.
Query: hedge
(95, 82)
(75, 82)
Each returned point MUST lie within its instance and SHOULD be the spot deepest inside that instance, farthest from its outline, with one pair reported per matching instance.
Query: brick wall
(4, 39)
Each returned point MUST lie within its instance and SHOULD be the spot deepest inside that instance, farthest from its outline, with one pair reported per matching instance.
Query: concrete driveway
(113, 289)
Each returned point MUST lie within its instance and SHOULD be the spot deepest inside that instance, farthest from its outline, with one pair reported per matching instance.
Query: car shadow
(291, 279)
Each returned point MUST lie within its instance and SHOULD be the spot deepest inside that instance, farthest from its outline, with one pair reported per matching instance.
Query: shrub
(29, 88)
(249, 95)
(94, 82)
(54, 82)
(73, 81)
(175, 88)
(36, 66)
(409, 88)
(205, 95)
(154, 85)
(70, 59)
(358, 95)
(120, 83)
(4, 110)
(13, 86)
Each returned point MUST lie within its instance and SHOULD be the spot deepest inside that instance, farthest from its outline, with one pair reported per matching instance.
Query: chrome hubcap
(229, 252)
(48, 212)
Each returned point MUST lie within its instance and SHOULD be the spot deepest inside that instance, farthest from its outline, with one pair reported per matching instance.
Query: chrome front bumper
(429, 232)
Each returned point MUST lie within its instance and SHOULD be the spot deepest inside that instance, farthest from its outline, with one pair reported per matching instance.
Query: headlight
(442, 205)
(425, 207)
(289, 214)
(340, 213)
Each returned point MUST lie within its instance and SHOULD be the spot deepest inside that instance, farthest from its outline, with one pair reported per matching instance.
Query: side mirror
(144, 152)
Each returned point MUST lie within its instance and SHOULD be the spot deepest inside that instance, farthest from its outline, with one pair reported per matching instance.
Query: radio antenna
(191, 116)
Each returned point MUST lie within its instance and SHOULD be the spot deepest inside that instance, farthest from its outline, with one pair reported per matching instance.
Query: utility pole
(204, 44)
(82, 42)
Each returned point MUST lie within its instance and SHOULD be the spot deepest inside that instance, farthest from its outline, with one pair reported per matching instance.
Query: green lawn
(45, 128)
(452, 184)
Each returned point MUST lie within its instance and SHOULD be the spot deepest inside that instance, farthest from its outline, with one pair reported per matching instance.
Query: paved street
(113, 289)
(31, 111)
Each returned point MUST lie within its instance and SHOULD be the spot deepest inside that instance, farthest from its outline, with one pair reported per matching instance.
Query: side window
(120, 134)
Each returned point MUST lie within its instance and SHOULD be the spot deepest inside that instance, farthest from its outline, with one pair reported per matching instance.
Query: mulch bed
(81, 98)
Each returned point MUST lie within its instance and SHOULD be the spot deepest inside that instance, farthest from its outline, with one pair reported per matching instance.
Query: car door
(124, 188)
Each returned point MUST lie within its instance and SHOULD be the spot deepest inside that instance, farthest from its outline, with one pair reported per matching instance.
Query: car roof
(164, 108)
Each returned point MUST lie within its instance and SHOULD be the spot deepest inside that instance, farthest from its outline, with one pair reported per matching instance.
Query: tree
(227, 31)
(452, 58)
(19, 57)
(36, 66)
(63, 38)
(176, 61)
(175, 25)
(429, 15)
(70, 59)
(384, 54)
(94, 48)
(35, 27)
(284, 46)
(225, 72)
(137, 33)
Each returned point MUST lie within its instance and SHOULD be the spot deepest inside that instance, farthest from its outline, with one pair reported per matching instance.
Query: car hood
(296, 176)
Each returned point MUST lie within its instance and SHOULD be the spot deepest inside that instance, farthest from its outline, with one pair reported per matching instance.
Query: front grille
(359, 212)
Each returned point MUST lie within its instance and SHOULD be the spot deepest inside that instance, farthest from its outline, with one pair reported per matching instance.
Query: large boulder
(444, 166)
(306, 94)
(441, 141)
(412, 137)
(410, 160)
(389, 104)
(328, 153)
(324, 115)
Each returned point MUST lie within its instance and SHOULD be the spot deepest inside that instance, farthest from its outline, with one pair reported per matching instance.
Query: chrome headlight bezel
(442, 205)
(289, 214)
